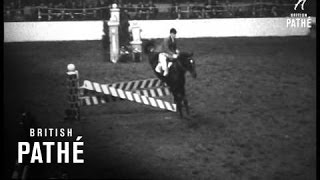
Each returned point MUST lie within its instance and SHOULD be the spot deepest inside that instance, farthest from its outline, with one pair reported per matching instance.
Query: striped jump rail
(128, 95)
(137, 84)
(97, 100)
(153, 91)
(90, 100)
(134, 85)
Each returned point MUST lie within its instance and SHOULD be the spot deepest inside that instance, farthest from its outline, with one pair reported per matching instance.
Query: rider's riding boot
(166, 72)
(165, 69)
(158, 68)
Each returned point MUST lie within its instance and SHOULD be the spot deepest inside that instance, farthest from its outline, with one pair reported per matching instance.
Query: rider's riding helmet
(173, 30)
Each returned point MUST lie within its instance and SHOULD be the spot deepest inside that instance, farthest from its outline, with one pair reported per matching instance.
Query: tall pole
(73, 112)
(113, 24)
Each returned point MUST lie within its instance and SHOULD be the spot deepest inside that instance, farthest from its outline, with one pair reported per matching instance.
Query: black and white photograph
(160, 89)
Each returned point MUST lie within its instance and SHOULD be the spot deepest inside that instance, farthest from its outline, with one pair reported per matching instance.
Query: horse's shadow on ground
(196, 120)
(193, 120)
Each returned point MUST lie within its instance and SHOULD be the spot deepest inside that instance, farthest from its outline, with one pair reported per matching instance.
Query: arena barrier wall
(195, 28)
(53, 31)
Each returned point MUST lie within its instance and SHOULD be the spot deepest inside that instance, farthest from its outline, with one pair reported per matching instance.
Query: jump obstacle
(92, 93)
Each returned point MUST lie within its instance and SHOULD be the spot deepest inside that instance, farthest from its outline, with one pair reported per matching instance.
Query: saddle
(169, 64)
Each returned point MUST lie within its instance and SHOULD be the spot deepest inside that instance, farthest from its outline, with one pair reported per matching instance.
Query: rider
(169, 51)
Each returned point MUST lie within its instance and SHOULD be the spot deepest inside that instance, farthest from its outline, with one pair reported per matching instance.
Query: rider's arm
(177, 50)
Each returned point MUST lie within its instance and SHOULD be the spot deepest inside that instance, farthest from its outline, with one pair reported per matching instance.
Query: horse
(175, 79)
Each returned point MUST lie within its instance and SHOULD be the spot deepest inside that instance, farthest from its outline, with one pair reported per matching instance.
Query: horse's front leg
(178, 101)
(179, 108)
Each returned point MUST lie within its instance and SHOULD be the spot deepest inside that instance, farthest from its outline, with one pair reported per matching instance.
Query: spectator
(76, 13)
(240, 12)
(102, 3)
(20, 4)
(125, 10)
(91, 12)
(203, 13)
(131, 10)
(8, 14)
(95, 10)
(13, 5)
(148, 14)
(34, 11)
(68, 4)
(73, 5)
(253, 12)
(19, 15)
(119, 3)
(68, 13)
(196, 10)
(140, 11)
(262, 11)
(79, 5)
(208, 9)
(186, 11)
(253, 9)
(44, 12)
(140, 6)
(218, 9)
(83, 4)
(61, 5)
(11, 13)
(175, 11)
(153, 9)
(228, 9)
(145, 9)
(274, 11)
(140, 15)
(54, 14)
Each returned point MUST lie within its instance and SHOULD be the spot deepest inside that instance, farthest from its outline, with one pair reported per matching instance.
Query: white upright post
(136, 42)
(113, 24)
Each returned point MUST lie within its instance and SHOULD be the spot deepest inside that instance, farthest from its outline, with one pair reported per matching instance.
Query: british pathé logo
(299, 20)
(41, 152)
(300, 2)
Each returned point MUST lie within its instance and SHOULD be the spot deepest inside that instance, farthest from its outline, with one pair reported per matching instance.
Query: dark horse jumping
(176, 77)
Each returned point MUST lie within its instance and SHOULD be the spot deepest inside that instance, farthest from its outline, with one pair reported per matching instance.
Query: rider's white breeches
(162, 64)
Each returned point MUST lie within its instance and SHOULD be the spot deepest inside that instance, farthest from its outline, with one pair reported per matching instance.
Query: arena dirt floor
(253, 111)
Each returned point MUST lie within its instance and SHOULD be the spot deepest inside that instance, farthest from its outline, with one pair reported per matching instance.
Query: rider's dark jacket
(169, 46)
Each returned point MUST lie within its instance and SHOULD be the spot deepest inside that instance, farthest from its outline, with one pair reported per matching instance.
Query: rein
(183, 68)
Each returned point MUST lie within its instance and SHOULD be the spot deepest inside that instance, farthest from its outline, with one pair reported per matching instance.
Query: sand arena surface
(253, 111)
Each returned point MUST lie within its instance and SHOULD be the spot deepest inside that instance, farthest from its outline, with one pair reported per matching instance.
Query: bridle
(182, 66)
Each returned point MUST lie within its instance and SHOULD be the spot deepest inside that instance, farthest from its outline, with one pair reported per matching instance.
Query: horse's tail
(149, 46)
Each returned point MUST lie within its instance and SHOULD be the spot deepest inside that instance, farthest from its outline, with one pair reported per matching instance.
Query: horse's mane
(185, 55)
(147, 46)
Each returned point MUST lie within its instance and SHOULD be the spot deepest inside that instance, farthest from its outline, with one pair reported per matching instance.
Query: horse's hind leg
(179, 108)
(186, 105)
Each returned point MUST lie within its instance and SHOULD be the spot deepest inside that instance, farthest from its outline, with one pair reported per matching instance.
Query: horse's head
(188, 63)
